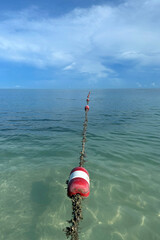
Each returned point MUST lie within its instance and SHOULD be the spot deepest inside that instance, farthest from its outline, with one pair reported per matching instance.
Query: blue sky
(80, 44)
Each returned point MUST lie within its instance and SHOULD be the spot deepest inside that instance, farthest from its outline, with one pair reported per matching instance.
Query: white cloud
(85, 39)
(69, 67)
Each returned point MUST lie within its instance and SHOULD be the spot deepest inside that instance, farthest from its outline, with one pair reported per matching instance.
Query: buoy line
(78, 185)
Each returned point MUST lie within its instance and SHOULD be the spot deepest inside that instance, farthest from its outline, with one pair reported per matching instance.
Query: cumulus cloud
(85, 40)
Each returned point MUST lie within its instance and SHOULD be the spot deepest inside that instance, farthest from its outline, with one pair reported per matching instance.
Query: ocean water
(40, 142)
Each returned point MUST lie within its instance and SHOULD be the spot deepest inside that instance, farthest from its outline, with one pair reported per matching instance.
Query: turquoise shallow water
(40, 139)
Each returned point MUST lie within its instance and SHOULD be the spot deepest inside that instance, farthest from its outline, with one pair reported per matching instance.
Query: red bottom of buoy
(79, 182)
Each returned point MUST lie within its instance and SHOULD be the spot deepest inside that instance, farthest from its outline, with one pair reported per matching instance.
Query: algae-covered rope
(82, 156)
(72, 231)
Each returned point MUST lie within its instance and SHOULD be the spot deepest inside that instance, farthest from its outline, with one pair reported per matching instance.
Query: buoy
(87, 107)
(79, 182)
(87, 99)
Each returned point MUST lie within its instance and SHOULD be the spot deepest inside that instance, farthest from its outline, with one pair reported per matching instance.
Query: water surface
(40, 139)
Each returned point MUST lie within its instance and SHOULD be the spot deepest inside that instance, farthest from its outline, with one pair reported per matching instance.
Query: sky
(79, 44)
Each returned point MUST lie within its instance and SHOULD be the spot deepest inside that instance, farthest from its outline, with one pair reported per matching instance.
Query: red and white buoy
(79, 182)
(87, 107)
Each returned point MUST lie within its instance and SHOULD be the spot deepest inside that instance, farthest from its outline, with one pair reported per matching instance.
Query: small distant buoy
(79, 182)
(87, 107)
(87, 100)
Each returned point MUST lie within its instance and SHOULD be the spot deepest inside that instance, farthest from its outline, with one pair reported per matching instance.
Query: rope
(72, 231)
(82, 156)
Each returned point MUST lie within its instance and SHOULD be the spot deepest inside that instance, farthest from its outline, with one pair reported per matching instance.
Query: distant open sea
(40, 143)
